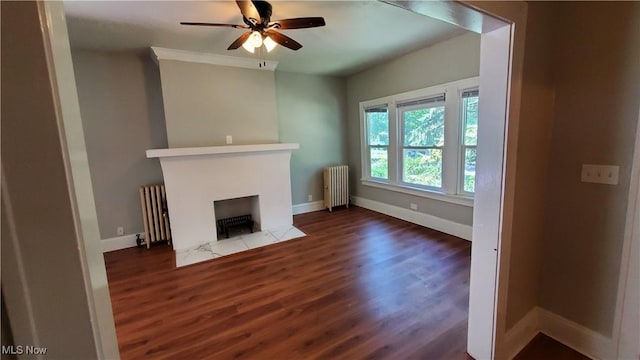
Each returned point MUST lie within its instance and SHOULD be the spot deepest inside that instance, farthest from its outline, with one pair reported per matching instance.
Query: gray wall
(204, 103)
(122, 115)
(312, 112)
(36, 214)
(534, 143)
(447, 61)
(597, 96)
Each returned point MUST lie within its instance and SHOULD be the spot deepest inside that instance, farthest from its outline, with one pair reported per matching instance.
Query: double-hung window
(469, 141)
(423, 142)
(377, 119)
(422, 124)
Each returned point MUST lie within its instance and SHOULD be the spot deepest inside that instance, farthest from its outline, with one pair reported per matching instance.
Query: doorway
(500, 71)
(493, 201)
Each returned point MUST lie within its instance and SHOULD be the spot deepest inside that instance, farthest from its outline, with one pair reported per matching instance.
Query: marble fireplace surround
(196, 177)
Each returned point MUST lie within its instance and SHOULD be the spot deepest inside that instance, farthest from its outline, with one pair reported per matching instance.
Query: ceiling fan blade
(214, 24)
(239, 41)
(283, 40)
(297, 23)
(249, 11)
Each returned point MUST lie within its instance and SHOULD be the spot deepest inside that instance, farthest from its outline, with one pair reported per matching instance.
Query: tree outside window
(378, 141)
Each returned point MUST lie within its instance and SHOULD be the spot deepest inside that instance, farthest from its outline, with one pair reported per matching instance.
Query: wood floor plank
(360, 285)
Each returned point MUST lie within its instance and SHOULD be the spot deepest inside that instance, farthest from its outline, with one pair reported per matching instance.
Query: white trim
(626, 329)
(216, 150)
(522, 333)
(450, 153)
(422, 93)
(415, 217)
(308, 207)
(455, 199)
(576, 336)
(159, 53)
(120, 242)
(53, 26)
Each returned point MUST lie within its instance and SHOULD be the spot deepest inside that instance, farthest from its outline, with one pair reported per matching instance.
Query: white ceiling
(358, 34)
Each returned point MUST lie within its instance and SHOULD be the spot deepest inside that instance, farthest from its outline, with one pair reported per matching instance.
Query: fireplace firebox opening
(237, 216)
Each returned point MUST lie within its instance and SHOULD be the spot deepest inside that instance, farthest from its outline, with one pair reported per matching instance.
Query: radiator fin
(153, 200)
(336, 186)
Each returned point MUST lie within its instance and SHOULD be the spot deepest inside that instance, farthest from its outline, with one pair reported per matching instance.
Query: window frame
(401, 109)
(464, 147)
(452, 158)
(369, 146)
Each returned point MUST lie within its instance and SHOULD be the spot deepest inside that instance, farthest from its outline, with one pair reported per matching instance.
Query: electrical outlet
(413, 206)
(600, 174)
(309, 197)
(229, 139)
(120, 230)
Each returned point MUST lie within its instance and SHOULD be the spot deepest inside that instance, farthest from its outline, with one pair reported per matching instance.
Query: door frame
(502, 28)
(627, 318)
(53, 25)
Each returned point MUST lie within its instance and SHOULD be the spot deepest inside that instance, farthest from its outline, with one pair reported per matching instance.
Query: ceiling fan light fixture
(255, 39)
(269, 43)
(248, 46)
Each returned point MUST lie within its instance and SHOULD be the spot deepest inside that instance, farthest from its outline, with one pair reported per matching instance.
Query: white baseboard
(576, 336)
(522, 333)
(308, 207)
(426, 220)
(120, 242)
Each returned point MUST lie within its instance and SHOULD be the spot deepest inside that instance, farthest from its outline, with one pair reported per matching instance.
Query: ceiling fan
(257, 17)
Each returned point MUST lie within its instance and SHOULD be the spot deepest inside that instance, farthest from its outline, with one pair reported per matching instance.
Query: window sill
(430, 194)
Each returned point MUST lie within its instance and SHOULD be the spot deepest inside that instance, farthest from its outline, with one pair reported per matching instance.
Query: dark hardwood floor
(544, 347)
(360, 285)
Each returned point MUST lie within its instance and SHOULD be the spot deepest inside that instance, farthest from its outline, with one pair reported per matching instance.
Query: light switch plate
(229, 140)
(600, 174)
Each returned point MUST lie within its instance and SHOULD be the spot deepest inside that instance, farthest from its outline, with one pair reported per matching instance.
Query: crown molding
(159, 53)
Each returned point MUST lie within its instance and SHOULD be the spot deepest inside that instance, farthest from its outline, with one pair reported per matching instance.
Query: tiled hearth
(216, 249)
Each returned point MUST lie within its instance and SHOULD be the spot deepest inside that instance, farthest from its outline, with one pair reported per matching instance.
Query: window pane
(424, 127)
(469, 169)
(379, 163)
(470, 111)
(378, 127)
(422, 167)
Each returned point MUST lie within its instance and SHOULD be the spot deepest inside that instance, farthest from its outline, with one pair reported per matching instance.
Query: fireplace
(198, 178)
(237, 216)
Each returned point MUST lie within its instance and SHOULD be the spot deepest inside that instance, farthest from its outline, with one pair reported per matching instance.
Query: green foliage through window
(379, 163)
(470, 141)
(423, 140)
(423, 167)
(378, 141)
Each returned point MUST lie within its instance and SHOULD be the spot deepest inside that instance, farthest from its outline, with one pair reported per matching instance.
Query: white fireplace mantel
(220, 150)
(196, 177)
